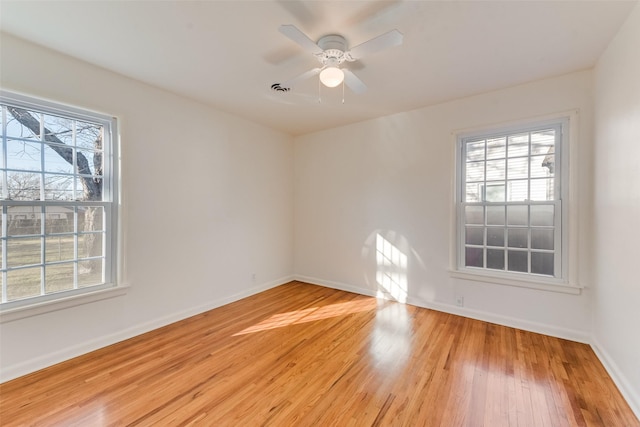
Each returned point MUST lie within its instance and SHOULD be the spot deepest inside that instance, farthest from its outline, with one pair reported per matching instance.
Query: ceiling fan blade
(299, 37)
(307, 74)
(353, 82)
(384, 41)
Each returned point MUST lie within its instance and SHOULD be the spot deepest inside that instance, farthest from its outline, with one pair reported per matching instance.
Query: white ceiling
(228, 53)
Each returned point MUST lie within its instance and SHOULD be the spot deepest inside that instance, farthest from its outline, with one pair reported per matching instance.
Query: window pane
(495, 170)
(542, 263)
(16, 129)
(496, 148)
(58, 129)
(542, 166)
(518, 168)
(475, 150)
(23, 220)
(475, 171)
(24, 155)
(542, 238)
(58, 187)
(23, 251)
(89, 188)
(55, 159)
(495, 236)
(495, 193)
(473, 257)
(542, 189)
(23, 185)
(89, 245)
(23, 283)
(90, 273)
(89, 162)
(543, 141)
(542, 215)
(92, 218)
(59, 248)
(518, 191)
(495, 259)
(473, 193)
(59, 219)
(518, 145)
(518, 215)
(518, 238)
(495, 215)
(518, 261)
(474, 215)
(548, 162)
(89, 135)
(59, 277)
(474, 236)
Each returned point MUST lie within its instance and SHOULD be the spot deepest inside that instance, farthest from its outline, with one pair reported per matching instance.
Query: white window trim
(569, 175)
(57, 301)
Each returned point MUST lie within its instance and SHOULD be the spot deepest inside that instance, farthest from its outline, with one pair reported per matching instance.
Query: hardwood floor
(305, 355)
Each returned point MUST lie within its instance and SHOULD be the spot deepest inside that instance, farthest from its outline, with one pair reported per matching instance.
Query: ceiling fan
(332, 51)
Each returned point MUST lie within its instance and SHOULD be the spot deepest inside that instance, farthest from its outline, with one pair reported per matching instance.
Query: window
(510, 202)
(57, 195)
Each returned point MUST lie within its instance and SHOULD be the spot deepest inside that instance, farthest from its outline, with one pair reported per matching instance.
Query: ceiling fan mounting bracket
(333, 41)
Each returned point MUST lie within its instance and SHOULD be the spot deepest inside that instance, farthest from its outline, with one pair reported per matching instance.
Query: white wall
(393, 176)
(207, 201)
(617, 209)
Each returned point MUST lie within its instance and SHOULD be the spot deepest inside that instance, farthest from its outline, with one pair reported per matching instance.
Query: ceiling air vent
(278, 88)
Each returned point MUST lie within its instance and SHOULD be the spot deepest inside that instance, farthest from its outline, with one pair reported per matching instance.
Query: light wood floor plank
(304, 355)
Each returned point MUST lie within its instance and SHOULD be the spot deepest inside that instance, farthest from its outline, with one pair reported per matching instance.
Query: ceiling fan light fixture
(331, 76)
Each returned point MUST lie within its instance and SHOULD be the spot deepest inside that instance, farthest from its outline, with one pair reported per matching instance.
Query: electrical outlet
(460, 301)
(253, 277)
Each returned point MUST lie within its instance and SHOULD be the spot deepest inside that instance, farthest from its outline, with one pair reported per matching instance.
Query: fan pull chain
(343, 91)
(319, 89)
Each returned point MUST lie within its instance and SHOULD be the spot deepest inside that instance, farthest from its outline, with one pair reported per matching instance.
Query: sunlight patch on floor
(392, 339)
(311, 315)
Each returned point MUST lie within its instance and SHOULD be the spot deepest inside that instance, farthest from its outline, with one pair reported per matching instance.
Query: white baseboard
(37, 363)
(630, 395)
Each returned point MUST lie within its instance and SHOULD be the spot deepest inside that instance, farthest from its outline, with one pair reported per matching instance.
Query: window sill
(22, 312)
(531, 283)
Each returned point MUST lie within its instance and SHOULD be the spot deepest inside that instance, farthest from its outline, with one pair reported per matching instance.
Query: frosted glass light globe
(331, 76)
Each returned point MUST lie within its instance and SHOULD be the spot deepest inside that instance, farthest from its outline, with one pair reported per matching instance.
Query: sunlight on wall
(391, 271)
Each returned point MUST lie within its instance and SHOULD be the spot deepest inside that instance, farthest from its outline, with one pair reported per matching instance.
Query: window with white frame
(509, 202)
(58, 200)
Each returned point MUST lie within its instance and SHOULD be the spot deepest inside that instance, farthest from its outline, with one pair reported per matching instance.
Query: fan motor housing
(334, 47)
